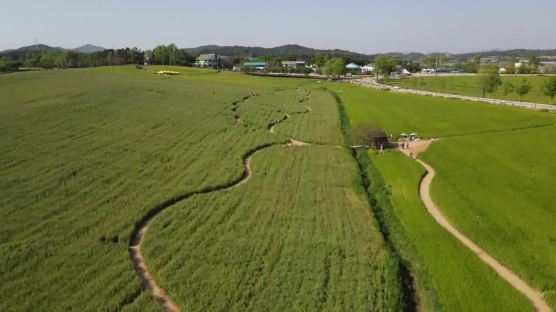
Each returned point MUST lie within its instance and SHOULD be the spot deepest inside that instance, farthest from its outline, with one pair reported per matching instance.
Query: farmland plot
(297, 236)
(87, 153)
(460, 281)
(494, 167)
(506, 204)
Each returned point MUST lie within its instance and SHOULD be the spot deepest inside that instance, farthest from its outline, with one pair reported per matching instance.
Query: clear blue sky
(367, 26)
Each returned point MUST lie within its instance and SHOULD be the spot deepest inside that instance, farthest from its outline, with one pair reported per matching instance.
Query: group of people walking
(405, 145)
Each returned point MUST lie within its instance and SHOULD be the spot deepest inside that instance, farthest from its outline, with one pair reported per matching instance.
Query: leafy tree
(471, 67)
(335, 67)
(523, 88)
(320, 59)
(366, 134)
(489, 79)
(458, 65)
(171, 50)
(385, 64)
(549, 88)
(508, 87)
(161, 55)
(439, 61)
(32, 60)
(411, 66)
(511, 68)
(533, 62)
(183, 58)
(476, 59)
(7, 65)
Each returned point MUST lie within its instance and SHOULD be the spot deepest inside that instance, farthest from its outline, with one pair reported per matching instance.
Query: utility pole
(436, 65)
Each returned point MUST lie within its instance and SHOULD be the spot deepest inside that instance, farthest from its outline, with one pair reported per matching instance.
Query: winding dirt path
(138, 237)
(277, 122)
(532, 294)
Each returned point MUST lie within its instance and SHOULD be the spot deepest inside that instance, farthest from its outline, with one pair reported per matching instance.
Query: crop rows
(87, 153)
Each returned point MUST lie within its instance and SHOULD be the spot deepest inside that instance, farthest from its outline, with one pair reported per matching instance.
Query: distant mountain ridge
(513, 52)
(243, 51)
(34, 48)
(87, 48)
(298, 50)
(285, 51)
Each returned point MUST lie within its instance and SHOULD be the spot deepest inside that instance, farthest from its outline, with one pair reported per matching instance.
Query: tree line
(160, 55)
(490, 82)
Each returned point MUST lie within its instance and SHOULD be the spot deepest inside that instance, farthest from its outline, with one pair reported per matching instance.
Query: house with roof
(547, 67)
(255, 65)
(293, 64)
(212, 60)
(353, 68)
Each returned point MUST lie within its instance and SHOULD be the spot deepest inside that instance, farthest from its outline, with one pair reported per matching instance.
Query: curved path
(138, 236)
(532, 294)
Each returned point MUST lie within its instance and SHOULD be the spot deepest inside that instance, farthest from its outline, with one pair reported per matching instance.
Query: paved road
(370, 82)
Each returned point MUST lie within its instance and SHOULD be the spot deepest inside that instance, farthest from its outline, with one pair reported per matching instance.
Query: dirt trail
(532, 294)
(165, 301)
(414, 147)
(294, 142)
(276, 122)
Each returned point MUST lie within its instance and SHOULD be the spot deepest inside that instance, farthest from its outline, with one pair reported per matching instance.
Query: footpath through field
(532, 294)
(135, 253)
(372, 83)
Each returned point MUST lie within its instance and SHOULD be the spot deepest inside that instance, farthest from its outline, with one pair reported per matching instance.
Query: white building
(367, 68)
(293, 64)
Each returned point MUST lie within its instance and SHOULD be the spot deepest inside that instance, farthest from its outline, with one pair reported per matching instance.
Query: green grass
(87, 152)
(495, 172)
(297, 236)
(462, 282)
(506, 202)
(469, 85)
(433, 117)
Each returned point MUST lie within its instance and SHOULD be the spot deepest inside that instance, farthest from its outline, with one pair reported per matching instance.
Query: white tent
(353, 66)
(367, 68)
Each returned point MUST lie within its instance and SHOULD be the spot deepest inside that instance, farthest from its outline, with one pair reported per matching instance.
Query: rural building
(380, 139)
(353, 67)
(212, 60)
(490, 59)
(255, 64)
(521, 63)
(293, 64)
(547, 67)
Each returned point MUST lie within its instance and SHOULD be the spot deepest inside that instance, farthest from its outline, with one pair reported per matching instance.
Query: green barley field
(494, 169)
(469, 85)
(87, 153)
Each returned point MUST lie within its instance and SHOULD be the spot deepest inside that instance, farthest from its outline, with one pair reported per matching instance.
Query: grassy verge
(415, 294)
